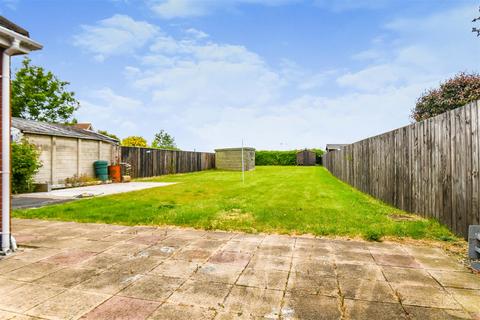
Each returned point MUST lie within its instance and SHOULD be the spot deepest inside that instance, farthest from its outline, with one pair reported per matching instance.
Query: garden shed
(65, 151)
(306, 158)
(231, 159)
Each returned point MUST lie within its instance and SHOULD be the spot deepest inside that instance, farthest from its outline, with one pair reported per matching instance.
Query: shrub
(281, 158)
(25, 164)
(134, 141)
(275, 158)
(453, 93)
(373, 235)
(318, 155)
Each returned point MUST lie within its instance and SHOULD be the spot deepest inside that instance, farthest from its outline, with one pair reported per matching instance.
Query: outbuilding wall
(231, 159)
(64, 157)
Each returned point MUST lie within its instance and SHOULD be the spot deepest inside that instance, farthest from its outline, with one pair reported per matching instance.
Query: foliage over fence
(431, 167)
(150, 162)
(281, 158)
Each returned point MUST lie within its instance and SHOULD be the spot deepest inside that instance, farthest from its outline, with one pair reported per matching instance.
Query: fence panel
(431, 168)
(149, 162)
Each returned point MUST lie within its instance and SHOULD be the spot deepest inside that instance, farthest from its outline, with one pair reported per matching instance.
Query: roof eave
(26, 44)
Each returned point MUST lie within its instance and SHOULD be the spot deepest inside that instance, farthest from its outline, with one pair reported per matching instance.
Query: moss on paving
(294, 200)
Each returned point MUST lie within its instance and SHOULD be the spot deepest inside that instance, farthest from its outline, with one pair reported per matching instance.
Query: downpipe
(6, 166)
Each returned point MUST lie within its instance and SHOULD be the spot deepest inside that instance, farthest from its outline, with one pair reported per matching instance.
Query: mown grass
(295, 200)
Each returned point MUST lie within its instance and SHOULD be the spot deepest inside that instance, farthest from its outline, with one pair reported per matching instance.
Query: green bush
(25, 164)
(275, 158)
(281, 158)
(318, 155)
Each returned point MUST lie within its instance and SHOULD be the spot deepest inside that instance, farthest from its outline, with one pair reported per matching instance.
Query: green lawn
(295, 200)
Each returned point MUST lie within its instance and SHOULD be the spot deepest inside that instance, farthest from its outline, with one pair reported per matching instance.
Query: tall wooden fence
(430, 168)
(149, 162)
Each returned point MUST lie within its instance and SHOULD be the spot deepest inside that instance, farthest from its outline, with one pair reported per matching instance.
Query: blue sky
(280, 74)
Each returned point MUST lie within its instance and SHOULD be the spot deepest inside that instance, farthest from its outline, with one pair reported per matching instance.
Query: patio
(67, 270)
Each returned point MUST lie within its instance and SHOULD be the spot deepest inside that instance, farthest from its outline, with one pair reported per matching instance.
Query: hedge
(280, 158)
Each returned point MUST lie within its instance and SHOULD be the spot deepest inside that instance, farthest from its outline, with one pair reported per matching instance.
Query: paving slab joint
(341, 296)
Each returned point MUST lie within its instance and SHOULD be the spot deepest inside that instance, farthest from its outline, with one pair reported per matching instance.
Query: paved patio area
(94, 271)
(40, 199)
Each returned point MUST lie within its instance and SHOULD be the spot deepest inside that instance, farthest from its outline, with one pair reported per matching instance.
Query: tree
(108, 134)
(134, 141)
(456, 92)
(38, 94)
(164, 141)
(475, 29)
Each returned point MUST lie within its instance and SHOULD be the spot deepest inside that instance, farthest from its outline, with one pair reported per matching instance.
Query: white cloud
(197, 34)
(423, 50)
(119, 34)
(111, 111)
(169, 9)
(210, 94)
(344, 5)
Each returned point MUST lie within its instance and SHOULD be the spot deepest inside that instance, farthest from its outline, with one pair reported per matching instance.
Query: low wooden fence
(150, 162)
(430, 168)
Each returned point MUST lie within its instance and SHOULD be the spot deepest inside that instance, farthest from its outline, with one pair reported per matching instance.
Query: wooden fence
(430, 168)
(149, 162)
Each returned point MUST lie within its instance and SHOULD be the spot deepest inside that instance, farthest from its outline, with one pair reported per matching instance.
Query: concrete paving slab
(361, 310)
(70, 304)
(316, 267)
(32, 271)
(122, 308)
(409, 276)
(169, 311)
(177, 268)
(310, 307)
(360, 271)
(201, 294)
(265, 262)
(264, 279)
(425, 296)
(423, 313)
(469, 299)
(253, 302)
(27, 296)
(215, 272)
(466, 280)
(67, 277)
(155, 288)
(369, 290)
(396, 260)
(173, 273)
(312, 284)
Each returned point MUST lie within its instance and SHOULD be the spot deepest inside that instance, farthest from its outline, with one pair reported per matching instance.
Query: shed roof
(235, 149)
(59, 130)
(335, 146)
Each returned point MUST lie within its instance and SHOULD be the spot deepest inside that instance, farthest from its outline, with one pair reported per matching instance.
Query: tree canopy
(108, 134)
(38, 94)
(164, 140)
(456, 92)
(134, 141)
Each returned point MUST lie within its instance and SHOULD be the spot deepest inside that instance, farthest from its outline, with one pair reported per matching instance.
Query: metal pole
(243, 166)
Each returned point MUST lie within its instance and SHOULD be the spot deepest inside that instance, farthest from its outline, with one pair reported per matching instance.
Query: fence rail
(430, 168)
(149, 162)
